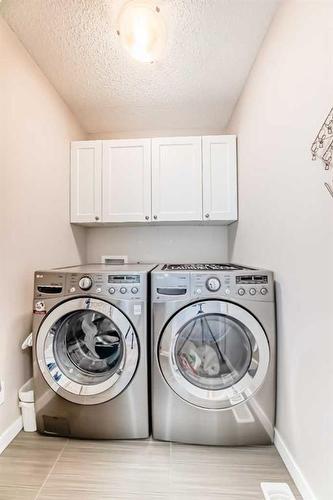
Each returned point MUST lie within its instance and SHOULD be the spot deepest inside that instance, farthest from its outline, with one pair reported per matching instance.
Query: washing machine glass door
(214, 354)
(87, 350)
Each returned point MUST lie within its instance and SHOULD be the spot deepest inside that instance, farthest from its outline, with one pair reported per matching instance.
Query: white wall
(35, 131)
(159, 243)
(286, 222)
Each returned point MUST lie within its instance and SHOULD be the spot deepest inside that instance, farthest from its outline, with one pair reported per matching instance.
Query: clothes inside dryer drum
(213, 351)
(88, 346)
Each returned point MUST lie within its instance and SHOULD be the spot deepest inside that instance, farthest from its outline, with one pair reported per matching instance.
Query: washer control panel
(108, 285)
(117, 286)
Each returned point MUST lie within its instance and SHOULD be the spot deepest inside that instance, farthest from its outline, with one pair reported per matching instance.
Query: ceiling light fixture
(142, 30)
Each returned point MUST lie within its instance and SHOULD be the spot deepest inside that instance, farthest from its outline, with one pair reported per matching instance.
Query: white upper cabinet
(86, 171)
(154, 180)
(219, 178)
(126, 180)
(176, 179)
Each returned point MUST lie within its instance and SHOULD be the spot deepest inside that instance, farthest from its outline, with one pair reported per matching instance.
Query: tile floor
(48, 468)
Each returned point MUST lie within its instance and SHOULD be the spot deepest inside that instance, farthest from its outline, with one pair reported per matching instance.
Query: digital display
(252, 279)
(124, 278)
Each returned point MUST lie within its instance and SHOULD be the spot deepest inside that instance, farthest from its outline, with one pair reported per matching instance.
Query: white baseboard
(294, 470)
(8, 435)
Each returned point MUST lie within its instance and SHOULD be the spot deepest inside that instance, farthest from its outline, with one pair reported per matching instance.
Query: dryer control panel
(229, 285)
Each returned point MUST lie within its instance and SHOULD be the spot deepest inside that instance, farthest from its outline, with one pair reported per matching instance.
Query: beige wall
(159, 243)
(154, 133)
(286, 222)
(35, 130)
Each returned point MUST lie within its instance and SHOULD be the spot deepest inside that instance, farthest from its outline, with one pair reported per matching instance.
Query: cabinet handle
(155, 217)
(147, 217)
(207, 216)
(96, 217)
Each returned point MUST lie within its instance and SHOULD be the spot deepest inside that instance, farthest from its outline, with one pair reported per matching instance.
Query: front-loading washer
(213, 354)
(90, 351)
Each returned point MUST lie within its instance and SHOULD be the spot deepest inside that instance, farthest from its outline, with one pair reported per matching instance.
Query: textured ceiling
(211, 47)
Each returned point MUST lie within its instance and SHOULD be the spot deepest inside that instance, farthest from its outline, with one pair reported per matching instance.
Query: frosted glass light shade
(142, 30)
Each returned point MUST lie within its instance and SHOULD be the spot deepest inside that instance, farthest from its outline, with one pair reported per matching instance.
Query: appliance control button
(112, 290)
(241, 291)
(264, 291)
(198, 291)
(123, 290)
(72, 289)
(134, 289)
(98, 289)
(85, 283)
(227, 291)
(213, 284)
(252, 291)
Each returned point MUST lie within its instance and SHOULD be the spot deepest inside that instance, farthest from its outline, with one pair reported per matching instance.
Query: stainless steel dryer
(213, 355)
(90, 351)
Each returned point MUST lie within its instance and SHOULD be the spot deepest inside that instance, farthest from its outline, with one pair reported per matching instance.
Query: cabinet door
(219, 178)
(176, 179)
(127, 180)
(86, 172)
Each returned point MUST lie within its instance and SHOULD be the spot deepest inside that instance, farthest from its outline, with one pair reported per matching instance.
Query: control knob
(213, 284)
(85, 283)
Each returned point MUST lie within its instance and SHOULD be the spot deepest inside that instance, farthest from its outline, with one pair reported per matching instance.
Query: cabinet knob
(96, 218)
(155, 217)
(147, 217)
(207, 216)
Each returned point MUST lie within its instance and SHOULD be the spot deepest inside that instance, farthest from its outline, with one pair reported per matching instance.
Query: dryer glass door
(213, 351)
(87, 350)
(214, 354)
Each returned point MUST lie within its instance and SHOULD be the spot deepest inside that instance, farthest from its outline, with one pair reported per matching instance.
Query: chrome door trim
(67, 388)
(223, 398)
